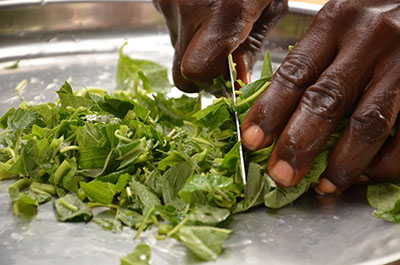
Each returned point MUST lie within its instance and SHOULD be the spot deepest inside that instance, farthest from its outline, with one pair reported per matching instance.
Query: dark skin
(205, 32)
(346, 65)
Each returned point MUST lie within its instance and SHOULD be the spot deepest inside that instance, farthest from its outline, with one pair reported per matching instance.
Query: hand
(348, 62)
(205, 32)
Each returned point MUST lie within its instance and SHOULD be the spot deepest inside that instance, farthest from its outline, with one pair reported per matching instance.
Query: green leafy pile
(154, 161)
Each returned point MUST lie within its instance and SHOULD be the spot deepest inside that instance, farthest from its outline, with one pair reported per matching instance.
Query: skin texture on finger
(227, 26)
(324, 103)
(204, 32)
(300, 69)
(318, 114)
(366, 132)
(386, 166)
(247, 53)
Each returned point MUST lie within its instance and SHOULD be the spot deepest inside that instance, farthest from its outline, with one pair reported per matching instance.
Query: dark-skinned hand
(348, 63)
(205, 32)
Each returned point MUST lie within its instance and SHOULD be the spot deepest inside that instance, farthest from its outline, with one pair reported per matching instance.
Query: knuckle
(279, 8)
(340, 7)
(370, 126)
(326, 98)
(297, 69)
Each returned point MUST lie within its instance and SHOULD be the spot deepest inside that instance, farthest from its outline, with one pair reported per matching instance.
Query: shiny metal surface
(54, 47)
(238, 131)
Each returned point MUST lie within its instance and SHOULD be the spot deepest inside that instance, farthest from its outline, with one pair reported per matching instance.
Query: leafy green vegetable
(205, 241)
(140, 256)
(385, 198)
(280, 197)
(109, 224)
(141, 74)
(150, 160)
(257, 187)
(99, 191)
(13, 66)
(71, 209)
(207, 214)
(267, 70)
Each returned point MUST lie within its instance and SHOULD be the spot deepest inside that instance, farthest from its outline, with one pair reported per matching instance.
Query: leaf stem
(178, 226)
(69, 148)
(61, 170)
(254, 96)
(144, 221)
(68, 205)
(47, 188)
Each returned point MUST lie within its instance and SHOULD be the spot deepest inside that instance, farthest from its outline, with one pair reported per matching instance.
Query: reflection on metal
(303, 8)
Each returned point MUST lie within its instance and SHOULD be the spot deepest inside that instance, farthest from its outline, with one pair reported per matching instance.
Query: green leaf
(318, 167)
(141, 74)
(13, 66)
(204, 241)
(215, 115)
(129, 218)
(208, 183)
(169, 213)
(69, 180)
(22, 120)
(255, 188)
(267, 69)
(168, 114)
(71, 209)
(99, 191)
(173, 181)
(4, 119)
(147, 198)
(207, 214)
(250, 93)
(232, 158)
(108, 224)
(173, 159)
(383, 196)
(140, 256)
(69, 99)
(280, 197)
(4, 171)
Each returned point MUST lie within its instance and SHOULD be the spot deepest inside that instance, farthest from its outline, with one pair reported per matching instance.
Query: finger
(301, 68)
(187, 16)
(319, 113)
(247, 53)
(367, 130)
(226, 27)
(386, 166)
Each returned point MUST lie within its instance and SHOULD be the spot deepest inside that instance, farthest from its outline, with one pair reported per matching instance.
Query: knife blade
(239, 134)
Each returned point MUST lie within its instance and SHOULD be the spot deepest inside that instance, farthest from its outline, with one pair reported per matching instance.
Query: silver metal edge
(239, 133)
(294, 7)
(16, 3)
(304, 8)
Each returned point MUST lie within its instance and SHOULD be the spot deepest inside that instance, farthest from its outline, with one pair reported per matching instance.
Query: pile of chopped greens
(154, 161)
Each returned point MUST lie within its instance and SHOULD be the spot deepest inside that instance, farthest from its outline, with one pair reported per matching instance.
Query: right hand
(205, 32)
(348, 63)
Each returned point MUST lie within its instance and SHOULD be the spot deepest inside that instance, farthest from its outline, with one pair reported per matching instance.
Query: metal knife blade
(239, 134)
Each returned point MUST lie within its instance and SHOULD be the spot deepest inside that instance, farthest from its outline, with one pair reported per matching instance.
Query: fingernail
(253, 137)
(325, 187)
(362, 179)
(283, 173)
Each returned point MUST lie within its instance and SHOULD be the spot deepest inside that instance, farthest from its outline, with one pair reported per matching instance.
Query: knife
(232, 74)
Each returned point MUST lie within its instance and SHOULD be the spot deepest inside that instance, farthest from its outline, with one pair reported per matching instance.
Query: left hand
(205, 32)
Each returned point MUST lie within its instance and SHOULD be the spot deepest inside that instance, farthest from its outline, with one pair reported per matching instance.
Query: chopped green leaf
(140, 256)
